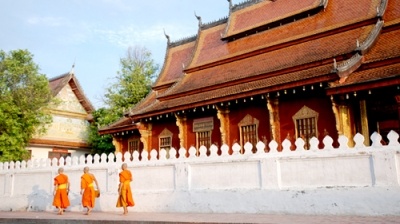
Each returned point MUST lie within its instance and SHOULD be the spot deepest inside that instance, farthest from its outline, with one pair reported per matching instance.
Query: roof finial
(198, 18)
(72, 69)
(230, 4)
(166, 36)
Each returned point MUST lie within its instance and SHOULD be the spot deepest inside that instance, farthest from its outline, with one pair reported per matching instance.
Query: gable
(69, 101)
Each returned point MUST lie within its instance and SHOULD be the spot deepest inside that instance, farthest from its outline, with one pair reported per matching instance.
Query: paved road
(143, 218)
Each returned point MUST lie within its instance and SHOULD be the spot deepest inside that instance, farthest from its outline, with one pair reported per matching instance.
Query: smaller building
(68, 133)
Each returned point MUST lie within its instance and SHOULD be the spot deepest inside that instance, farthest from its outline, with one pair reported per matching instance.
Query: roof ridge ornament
(380, 10)
(198, 18)
(72, 69)
(346, 67)
(166, 36)
(324, 3)
(230, 4)
(371, 38)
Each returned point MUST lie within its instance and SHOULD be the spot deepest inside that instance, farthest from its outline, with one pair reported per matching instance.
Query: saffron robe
(88, 196)
(60, 199)
(125, 198)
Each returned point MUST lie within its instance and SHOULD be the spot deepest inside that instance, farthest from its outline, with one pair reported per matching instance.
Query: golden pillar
(117, 144)
(364, 122)
(181, 123)
(145, 131)
(343, 120)
(273, 109)
(223, 116)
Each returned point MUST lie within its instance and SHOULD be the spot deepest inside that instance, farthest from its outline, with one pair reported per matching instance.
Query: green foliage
(24, 95)
(133, 83)
(100, 144)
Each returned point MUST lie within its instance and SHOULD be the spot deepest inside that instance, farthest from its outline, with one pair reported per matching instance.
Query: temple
(274, 70)
(67, 135)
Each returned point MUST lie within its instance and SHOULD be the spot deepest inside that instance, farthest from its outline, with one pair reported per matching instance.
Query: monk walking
(61, 189)
(87, 190)
(125, 198)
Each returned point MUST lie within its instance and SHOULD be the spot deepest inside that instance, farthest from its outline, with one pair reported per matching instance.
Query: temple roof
(59, 82)
(380, 64)
(266, 13)
(272, 59)
(178, 56)
(122, 124)
(334, 43)
(338, 15)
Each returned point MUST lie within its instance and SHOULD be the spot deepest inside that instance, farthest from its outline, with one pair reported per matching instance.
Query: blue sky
(95, 34)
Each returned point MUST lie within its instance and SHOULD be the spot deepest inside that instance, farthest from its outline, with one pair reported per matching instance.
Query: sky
(94, 35)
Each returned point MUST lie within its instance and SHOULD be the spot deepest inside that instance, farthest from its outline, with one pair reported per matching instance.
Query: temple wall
(363, 180)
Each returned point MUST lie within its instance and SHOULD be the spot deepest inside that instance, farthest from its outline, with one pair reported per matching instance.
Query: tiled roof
(296, 55)
(386, 51)
(274, 83)
(371, 75)
(172, 69)
(266, 12)
(57, 83)
(339, 13)
(392, 15)
(287, 56)
(387, 46)
(124, 123)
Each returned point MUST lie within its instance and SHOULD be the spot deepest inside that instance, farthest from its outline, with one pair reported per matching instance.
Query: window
(133, 145)
(165, 140)
(165, 143)
(305, 121)
(203, 128)
(249, 134)
(203, 138)
(248, 128)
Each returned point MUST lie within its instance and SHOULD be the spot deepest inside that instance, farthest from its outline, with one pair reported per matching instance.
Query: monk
(61, 189)
(87, 190)
(125, 198)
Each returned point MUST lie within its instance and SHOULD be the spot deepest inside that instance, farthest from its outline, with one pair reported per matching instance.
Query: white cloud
(133, 35)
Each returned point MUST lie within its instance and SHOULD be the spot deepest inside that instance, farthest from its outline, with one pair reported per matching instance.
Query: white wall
(360, 180)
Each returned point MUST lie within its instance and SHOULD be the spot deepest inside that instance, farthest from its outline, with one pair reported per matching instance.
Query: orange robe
(88, 196)
(60, 199)
(125, 198)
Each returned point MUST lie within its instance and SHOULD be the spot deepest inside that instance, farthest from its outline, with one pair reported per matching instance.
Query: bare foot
(89, 210)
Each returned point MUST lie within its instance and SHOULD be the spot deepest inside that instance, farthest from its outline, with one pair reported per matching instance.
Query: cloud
(135, 35)
(47, 21)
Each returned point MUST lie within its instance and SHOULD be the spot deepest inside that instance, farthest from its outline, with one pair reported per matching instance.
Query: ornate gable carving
(165, 133)
(305, 112)
(248, 120)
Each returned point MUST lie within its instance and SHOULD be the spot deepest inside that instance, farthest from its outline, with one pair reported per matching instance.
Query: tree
(99, 144)
(133, 83)
(24, 95)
